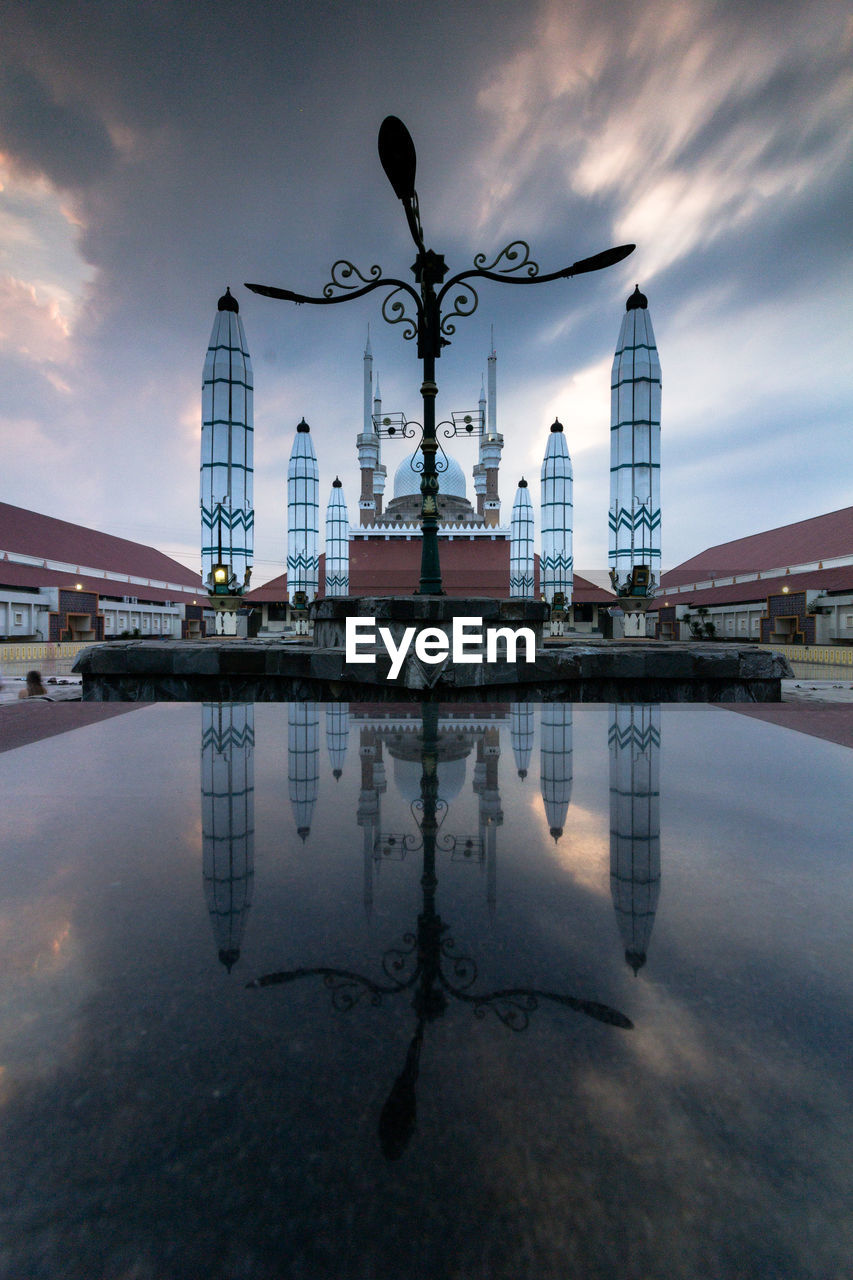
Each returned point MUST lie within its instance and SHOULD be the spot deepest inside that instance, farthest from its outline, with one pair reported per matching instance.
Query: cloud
(62, 140)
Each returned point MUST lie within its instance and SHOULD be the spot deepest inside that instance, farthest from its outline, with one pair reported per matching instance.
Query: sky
(154, 151)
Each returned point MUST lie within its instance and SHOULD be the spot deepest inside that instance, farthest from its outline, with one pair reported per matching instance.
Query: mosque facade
(485, 549)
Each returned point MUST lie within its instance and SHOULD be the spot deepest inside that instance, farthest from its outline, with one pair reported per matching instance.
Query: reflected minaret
(337, 735)
(303, 762)
(227, 513)
(635, 552)
(490, 813)
(521, 551)
(228, 820)
(555, 764)
(373, 783)
(337, 542)
(521, 735)
(557, 564)
(303, 511)
(634, 741)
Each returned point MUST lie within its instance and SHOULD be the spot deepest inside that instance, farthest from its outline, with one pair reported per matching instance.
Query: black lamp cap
(302, 427)
(556, 425)
(228, 302)
(397, 154)
(336, 484)
(522, 484)
(637, 300)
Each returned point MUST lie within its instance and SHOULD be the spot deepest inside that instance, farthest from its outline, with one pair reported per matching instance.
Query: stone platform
(574, 670)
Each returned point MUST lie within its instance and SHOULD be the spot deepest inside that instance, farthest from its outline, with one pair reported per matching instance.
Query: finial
(637, 300)
(522, 484)
(336, 484)
(556, 425)
(302, 427)
(228, 302)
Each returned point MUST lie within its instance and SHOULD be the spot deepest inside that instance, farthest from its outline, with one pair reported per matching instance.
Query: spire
(635, 512)
(337, 543)
(303, 500)
(521, 562)
(226, 472)
(228, 821)
(555, 764)
(557, 564)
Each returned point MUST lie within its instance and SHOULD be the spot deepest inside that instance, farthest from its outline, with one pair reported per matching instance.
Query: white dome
(451, 778)
(407, 482)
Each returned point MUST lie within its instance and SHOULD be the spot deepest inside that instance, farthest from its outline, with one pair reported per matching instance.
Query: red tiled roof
(821, 538)
(31, 534)
(759, 589)
(25, 575)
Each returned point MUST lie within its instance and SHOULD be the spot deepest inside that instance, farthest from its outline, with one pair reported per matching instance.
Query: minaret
(521, 564)
(303, 501)
(556, 565)
(337, 542)
(635, 556)
(368, 444)
(521, 735)
(479, 469)
(227, 515)
(303, 767)
(492, 446)
(337, 735)
(228, 821)
(634, 741)
(380, 471)
(555, 764)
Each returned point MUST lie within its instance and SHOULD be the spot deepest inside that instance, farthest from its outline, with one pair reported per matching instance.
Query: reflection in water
(303, 762)
(521, 735)
(427, 963)
(337, 735)
(634, 741)
(228, 820)
(555, 777)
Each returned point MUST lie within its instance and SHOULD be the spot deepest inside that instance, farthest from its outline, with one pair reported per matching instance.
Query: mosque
(482, 552)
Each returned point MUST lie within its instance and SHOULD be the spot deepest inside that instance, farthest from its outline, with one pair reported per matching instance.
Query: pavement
(817, 708)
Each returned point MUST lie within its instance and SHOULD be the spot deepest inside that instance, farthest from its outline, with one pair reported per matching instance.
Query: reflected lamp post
(428, 965)
(420, 309)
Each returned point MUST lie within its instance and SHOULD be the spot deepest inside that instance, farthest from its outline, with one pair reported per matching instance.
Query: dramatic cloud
(156, 153)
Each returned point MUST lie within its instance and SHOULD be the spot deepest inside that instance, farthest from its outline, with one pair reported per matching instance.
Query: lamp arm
(596, 263)
(288, 295)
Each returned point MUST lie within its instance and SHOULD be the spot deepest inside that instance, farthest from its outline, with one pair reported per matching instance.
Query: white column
(521, 547)
(227, 514)
(635, 516)
(634, 742)
(337, 542)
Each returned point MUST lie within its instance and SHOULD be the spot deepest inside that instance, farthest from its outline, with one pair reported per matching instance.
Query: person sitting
(35, 688)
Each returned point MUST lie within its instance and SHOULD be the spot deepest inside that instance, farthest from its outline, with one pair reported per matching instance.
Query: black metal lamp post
(513, 265)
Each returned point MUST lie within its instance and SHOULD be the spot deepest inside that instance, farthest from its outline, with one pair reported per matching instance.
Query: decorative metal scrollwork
(462, 303)
(393, 426)
(395, 312)
(513, 257)
(464, 970)
(464, 423)
(513, 1009)
(349, 989)
(402, 964)
(342, 273)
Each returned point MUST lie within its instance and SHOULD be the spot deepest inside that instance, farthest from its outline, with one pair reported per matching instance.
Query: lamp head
(397, 154)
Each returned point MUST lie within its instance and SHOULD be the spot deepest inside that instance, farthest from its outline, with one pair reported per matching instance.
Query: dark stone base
(575, 671)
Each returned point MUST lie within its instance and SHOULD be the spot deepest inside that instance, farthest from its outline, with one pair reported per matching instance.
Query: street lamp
(513, 265)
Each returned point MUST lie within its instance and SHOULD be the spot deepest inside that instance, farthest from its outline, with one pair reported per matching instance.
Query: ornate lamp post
(513, 265)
